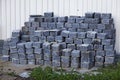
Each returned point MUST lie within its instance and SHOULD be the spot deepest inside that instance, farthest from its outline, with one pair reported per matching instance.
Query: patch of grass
(111, 72)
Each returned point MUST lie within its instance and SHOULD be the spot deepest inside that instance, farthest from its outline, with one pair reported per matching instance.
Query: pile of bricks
(77, 42)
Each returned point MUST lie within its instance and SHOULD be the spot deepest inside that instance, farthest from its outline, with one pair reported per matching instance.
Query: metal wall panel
(15, 12)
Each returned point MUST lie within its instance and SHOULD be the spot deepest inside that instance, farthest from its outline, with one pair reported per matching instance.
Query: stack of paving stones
(77, 42)
(1, 46)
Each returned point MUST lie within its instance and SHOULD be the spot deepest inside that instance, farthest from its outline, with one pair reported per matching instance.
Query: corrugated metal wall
(13, 13)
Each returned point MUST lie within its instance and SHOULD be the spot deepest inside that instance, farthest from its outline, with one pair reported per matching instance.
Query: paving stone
(109, 60)
(107, 21)
(77, 41)
(97, 15)
(80, 20)
(99, 59)
(98, 47)
(60, 25)
(23, 61)
(69, 40)
(59, 39)
(86, 65)
(5, 58)
(29, 51)
(100, 53)
(87, 41)
(68, 25)
(83, 25)
(81, 35)
(89, 15)
(38, 50)
(66, 52)
(65, 33)
(75, 53)
(48, 14)
(71, 46)
(73, 35)
(92, 20)
(39, 62)
(65, 61)
(109, 47)
(22, 56)
(106, 15)
(50, 39)
(84, 47)
(107, 42)
(62, 19)
(30, 56)
(71, 20)
(110, 53)
(56, 47)
(91, 34)
(102, 36)
(31, 62)
(16, 33)
(92, 26)
(37, 44)
(51, 25)
(15, 60)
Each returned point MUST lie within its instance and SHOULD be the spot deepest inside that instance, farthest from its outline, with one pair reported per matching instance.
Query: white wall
(13, 13)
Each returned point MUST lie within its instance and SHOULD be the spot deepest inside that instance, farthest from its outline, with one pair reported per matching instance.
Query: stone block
(96, 41)
(30, 56)
(106, 15)
(98, 47)
(21, 50)
(72, 29)
(28, 24)
(99, 59)
(84, 25)
(56, 57)
(75, 25)
(75, 53)
(60, 25)
(14, 39)
(47, 53)
(39, 62)
(102, 36)
(55, 32)
(92, 26)
(110, 53)
(65, 61)
(99, 64)
(77, 41)
(75, 62)
(56, 64)
(107, 21)
(51, 25)
(89, 15)
(71, 46)
(16, 33)
(28, 45)
(48, 19)
(92, 20)
(108, 42)
(44, 25)
(109, 60)
(29, 51)
(25, 38)
(56, 47)
(68, 25)
(100, 53)
(13, 50)
(20, 45)
(71, 20)
(5, 52)
(69, 40)
(23, 61)
(56, 53)
(22, 56)
(48, 14)
(63, 45)
(46, 45)
(86, 65)
(80, 20)
(91, 34)
(73, 35)
(81, 35)
(66, 52)
(5, 57)
(59, 39)
(97, 15)
(42, 39)
(50, 38)
(65, 33)
(37, 44)
(39, 56)
(31, 62)
(62, 19)
(109, 47)
(15, 60)
(47, 63)
(35, 24)
(84, 47)
(12, 45)
(38, 50)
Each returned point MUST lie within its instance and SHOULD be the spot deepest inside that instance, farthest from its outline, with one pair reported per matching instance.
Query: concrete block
(14, 39)
(68, 25)
(28, 45)
(98, 30)
(48, 14)
(92, 26)
(109, 47)
(89, 15)
(56, 64)
(72, 29)
(56, 53)
(30, 56)
(71, 20)
(44, 25)
(56, 57)
(34, 39)
(97, 15)
(86, 65)
(13, 50)
(5, 52)
(22, 56)
(85, 59)
(77, 41)
(25, 38)
(46, 45)
(106, 15)
(100, 53)
(63, 45)
(99, 64)
(55, 19)
(102, 36)
(73, 35)
(48, 58)
(71, 46)
(59, 39)
(99, 59)
(28, 24)
(107, 21)
(39, 62)
(46, 33)
(110, 53)
(65, 61)
(38, 50)
(51, 25)
(91, 34)
(16, 33)
(5, 57)
(81, 35)
(29, 51)
(60, 25)
(47, 52)
(35, 24)
(87, 41)
(21, 50)
(69, 40)
(47, 63)
(12, 45)
(42, 39)
(62, 19)
(92, 20)
(23, 61)
(83, 25)
(75, 53)
(80, 20)
(96, 41)
(56, 47)
(109, 60)
(66, 52)
(98, 47)
(31, 62)
(84, 47)
(39, 56)
(15, 60)
(37, 45)
(50, 38)
(108, 42)
(75, 62)
(65, 33)
(55, 32)
(76, 25)
(48, 19)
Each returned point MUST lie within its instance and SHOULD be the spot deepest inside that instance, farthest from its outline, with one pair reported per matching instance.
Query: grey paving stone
(69, 40)
(55, 32)
(46, 45)
(102, 36)
(5, 52)
(12, 45)
(65, 61)
(92, 20)
(72, 29)
(63, 45)
(48, 14)
(47, 53)
(110, 53)
(48, 58)
(109, 60)
(28, 45)
(28, 24)
(38, 50)
(35, 24)
(48, 19)
(81, 35)
(42, 39)
(62, 19)
(59, 39)
(75, 62)
(5, 57)
(68, 25)
(109, 47)
(71, 46)
(91, 34)
(73, 35)
(84, 25)
(80, 20)
(71, 20)
(46, 33)
(39, 56)
(65, 33)
(84, 47)
(44, 25)
(75, 25)
(21, 50)
(92, 26)
(56, 58)
(89, 15)
(15, 60)
(99, 59)
(66, 52)
(87, 41)
(98, 47)
(56, 53)
(108, 42)
(30, 56)
(22, 56)
(14, 39)
(77, 41)
(107, 21)
(37, 44)
(75, 53)
(13, 50)
(16, 33)
(25, 38)
(97, 15)
(51, 25)
(23, 61)
(60, 25)
(86, 65)
(29, 51)
(50, 38)
(106, 15)
(39, 62)
(56, 64)
(56, 47)
(100, 53)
